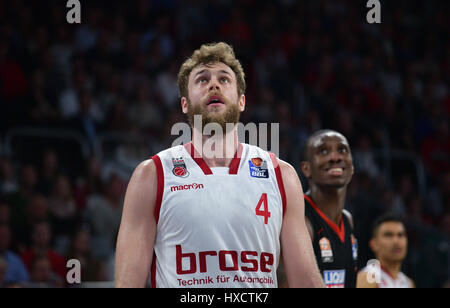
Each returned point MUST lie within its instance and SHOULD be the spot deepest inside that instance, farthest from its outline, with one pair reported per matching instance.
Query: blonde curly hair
(207, 54)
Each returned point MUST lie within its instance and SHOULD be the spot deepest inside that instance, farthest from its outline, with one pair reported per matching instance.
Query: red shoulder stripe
(279, 176)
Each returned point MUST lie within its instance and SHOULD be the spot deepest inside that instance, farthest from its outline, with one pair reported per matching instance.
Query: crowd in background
(309, 65)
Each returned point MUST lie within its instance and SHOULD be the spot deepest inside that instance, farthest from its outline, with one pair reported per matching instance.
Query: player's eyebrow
(203, 70)
(200, 72)
(225, 72)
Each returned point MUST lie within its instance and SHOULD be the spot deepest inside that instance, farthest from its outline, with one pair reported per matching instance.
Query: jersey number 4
(262, 203)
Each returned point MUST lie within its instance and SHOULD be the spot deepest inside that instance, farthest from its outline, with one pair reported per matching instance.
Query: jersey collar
(340, 231)
(234, 165)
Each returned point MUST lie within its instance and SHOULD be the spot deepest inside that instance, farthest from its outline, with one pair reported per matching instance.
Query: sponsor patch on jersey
(258, 168)
(354, 248)
(179, 168)
(325, 250)
(334, 278)
(193, 186)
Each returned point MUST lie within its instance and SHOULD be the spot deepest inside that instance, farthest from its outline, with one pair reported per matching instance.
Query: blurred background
(82, 104)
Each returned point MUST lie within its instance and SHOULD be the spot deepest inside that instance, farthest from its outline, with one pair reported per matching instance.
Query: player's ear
(184, 105)
(373, 245)
(306, 169)
(242, 103)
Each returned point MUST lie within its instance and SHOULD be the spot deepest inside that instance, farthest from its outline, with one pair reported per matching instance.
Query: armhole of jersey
(278, 174)
(153, 272)
(158, 201)
(160, 186)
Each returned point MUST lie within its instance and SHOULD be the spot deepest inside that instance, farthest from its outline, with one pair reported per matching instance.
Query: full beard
(230, 115)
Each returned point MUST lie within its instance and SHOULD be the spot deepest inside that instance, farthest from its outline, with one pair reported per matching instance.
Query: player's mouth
(397, 250)
(215, 100)
(335, 171)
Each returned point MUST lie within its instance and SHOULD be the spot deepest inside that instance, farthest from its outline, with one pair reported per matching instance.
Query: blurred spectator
(16, 271)
(8, 181)
(116, 122)
(87, 119)
(86, 35)
(18, 200)
(41, 236)
(435, 150)
(62, 51)
(3, 269)
(68, 105)
(142, 113)
(42, 275)
(41, 109)
(48, 172)
(13, 82)
(37, 211)
(404, 189)
(63, 212)
(5, 213)
(81, 250)
(415, 214)
(167, 86)
(439, 197)
(103, 213)
(90, 183)
(365, 158)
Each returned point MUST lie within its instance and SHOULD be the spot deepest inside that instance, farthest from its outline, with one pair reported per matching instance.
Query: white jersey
(386, 280)
(217, 227)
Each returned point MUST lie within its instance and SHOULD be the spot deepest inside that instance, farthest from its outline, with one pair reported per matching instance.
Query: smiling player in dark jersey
(328, 166)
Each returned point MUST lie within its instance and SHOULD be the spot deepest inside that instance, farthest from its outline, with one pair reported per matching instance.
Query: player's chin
(337, 182)
(398, 256)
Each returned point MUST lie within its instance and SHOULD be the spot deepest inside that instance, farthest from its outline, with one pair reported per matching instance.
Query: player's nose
(335, 156)
(214, 84)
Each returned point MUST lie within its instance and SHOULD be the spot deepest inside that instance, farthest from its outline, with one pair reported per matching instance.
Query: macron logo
(186, 187)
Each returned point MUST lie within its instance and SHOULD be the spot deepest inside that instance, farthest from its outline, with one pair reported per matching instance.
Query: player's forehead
(213, 67)
(327, 138)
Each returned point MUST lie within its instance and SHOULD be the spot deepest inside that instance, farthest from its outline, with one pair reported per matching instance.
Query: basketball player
(389, 244)
(197, 220)
(328, 166)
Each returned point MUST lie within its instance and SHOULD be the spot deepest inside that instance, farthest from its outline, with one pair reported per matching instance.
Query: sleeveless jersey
(388, 281)
(336, 248)
(217, 227)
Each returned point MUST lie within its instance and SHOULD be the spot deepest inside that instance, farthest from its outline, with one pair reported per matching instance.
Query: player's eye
(224, 80)
(343, 150)
(323, 151)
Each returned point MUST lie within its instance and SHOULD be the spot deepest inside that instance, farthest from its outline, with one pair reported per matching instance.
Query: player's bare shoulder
(143, 184)
(146, 168)
(287, 171)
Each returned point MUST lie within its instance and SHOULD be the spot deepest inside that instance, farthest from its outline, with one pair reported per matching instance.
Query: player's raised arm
(137, 231)
(298, 255)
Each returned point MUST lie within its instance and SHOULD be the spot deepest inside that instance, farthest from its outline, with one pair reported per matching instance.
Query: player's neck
(216, 151)
(391, 268)
(330, 201)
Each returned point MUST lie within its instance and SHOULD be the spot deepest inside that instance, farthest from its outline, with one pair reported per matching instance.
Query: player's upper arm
(310, 228)
(137, 231)
(363, 282)
(298, 255)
